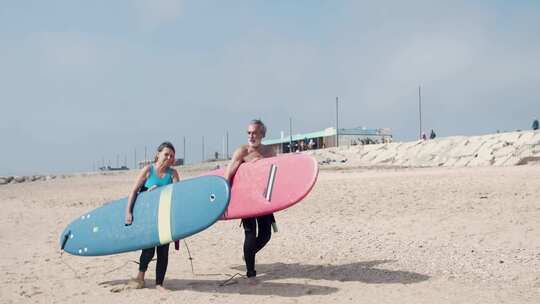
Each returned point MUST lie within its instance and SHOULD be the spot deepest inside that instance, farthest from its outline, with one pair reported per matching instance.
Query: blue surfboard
(160, 216)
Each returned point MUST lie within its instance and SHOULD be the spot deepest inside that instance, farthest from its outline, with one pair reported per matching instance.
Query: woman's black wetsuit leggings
(253, 241)
(162, 261)
(162, 257)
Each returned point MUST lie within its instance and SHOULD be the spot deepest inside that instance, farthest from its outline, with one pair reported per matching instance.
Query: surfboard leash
(230, 281)
(190, 258)
(77, 276)
(76, 273)
(224, 283)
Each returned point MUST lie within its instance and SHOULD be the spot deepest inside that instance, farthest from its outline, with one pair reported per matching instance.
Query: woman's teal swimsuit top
(153, 179)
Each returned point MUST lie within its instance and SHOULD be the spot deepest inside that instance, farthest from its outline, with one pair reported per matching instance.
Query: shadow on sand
(357, 272)
(238, 286)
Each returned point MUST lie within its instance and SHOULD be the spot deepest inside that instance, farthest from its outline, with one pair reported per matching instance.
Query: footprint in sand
(132, 284)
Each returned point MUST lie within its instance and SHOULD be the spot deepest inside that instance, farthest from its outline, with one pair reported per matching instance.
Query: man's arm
(237, 159)
(272, 152)
(269, 152)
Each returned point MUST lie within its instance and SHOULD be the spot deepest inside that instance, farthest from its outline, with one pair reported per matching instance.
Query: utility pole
(202, 149)
(337, 122)
(184, 150)
(420, 109)
(135, 158)
(290, 135)
(145, 159)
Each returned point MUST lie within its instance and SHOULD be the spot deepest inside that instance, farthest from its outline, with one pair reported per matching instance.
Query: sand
(378, 235)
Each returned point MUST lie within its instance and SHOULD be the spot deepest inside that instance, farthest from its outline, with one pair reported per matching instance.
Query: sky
(84, 83)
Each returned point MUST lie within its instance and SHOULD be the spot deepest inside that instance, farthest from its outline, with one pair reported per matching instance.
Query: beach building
(328, 138)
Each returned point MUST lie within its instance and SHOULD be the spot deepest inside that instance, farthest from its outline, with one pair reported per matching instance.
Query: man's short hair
(261, 125)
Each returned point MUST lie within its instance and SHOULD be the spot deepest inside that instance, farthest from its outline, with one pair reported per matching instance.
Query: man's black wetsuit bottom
(254, 242)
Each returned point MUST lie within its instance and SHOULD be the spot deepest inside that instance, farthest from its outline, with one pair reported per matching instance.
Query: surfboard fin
(66, 237)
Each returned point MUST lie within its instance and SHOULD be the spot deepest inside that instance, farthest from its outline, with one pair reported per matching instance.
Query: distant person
(424, 137)
(535, 124)
(254, 150)
(432, 135)
(157, 174)
(311, 144)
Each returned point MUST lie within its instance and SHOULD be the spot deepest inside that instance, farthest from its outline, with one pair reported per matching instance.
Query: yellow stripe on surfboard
(164, 215)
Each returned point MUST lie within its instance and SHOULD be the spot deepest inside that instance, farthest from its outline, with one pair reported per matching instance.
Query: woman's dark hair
(165, 144)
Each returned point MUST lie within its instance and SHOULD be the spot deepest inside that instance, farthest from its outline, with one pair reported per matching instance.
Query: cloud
(65, 49)
(154, 13)
(419, 61)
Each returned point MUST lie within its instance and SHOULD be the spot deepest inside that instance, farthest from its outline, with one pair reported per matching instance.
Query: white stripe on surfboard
(164, 215)
(270, 182)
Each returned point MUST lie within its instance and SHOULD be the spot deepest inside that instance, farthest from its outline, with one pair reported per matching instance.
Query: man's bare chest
(253, 156)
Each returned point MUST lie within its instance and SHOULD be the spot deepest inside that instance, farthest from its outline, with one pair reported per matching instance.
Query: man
(253, 151)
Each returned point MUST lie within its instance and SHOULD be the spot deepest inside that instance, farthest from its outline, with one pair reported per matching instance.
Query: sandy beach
(423, 118)
(377, 235)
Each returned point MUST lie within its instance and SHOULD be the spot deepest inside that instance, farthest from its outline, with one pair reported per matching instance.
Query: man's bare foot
(161, 288)
(252, 281)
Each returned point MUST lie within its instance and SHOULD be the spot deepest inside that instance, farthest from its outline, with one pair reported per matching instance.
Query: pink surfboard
(268, 185)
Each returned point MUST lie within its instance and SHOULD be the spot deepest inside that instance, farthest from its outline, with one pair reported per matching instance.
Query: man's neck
(255, 147)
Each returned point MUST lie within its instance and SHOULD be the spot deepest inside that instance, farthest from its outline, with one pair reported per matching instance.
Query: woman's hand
(129, 218)
(152, 188)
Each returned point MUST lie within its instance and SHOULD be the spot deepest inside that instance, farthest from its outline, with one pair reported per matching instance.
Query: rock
(18, 179)
(5, 180)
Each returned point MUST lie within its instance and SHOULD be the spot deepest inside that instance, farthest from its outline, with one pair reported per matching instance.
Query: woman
(157, 174)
